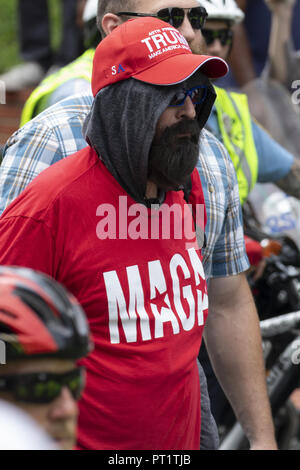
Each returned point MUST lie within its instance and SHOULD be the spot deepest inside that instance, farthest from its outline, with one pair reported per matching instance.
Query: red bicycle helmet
(39, 318)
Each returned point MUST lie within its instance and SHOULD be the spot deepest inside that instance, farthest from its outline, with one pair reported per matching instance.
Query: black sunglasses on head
(175, 16)
(225, 36)
(43, 387)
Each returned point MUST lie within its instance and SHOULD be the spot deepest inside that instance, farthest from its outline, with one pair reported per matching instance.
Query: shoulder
(60, 182)
(60, 120)
(210, 144)
(215, 156)
(73, 86)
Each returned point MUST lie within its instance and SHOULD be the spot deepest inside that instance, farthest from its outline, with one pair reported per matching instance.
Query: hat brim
(179, 68)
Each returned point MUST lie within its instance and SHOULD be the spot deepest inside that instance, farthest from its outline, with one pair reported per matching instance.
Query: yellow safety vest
(79, 68)
(234, 121)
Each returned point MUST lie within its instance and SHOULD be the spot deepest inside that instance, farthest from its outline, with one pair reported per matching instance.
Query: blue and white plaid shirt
(56, 133)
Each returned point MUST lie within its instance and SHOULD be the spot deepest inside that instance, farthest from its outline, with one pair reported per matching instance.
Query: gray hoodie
(122, 124)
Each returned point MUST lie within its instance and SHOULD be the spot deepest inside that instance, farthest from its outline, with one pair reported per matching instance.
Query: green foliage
(55, 12)
(9, 46)
(8, 40)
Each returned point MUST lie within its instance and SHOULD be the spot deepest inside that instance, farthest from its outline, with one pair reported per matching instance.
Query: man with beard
(56, 133)
(145, 296)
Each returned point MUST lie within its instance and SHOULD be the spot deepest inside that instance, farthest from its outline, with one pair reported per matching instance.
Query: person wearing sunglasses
(56, 133)
(145, 296)
(257, 157)
(218, 32)
(44, 331)
(75, 77)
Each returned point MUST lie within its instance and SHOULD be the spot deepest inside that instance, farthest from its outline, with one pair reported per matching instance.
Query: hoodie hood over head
(121, 127)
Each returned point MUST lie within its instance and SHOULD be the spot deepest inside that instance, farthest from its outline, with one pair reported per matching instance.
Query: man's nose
(215, 48)
(187, 30)
(65, 406)
(187, 110)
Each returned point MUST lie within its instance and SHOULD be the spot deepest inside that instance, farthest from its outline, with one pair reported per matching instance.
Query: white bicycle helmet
(91, 35)
(226, 10)
(90, 10)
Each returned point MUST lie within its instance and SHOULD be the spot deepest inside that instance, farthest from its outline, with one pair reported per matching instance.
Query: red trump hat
(151, 51)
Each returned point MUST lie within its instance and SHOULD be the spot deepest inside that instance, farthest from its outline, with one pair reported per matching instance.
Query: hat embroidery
(114, 70)
(120, 69)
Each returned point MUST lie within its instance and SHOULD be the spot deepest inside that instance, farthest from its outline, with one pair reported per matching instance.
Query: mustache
(189, 128)
(174, 155)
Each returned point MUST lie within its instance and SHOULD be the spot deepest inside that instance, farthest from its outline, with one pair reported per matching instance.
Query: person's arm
(233, 340)
(232, 331)
(240, 59)
(290, 183)
(282, 11)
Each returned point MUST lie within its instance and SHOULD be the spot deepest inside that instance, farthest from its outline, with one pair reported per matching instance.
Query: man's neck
(151, 190)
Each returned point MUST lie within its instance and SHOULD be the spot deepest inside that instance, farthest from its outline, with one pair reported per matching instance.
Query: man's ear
(110, 22)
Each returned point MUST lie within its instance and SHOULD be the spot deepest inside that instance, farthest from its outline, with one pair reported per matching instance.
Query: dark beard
(172, 159)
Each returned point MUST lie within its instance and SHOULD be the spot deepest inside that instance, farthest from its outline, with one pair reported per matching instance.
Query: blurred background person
(71, 79)
(270, 65)
(45, 332)
(35, 42)
(282, 56)
(255, 155)
(250, 50)
(269, 100)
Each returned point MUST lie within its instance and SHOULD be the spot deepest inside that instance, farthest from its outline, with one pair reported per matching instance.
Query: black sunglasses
(175, 16)
(225, 36)
(197, 95)
(43, 387)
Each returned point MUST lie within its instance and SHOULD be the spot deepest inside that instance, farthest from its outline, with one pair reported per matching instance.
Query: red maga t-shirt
(145, 298)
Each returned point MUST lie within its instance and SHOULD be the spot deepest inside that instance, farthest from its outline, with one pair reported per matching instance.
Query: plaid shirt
(56, 133)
